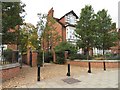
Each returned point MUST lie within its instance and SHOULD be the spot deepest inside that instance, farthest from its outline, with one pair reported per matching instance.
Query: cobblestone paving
(52, 76)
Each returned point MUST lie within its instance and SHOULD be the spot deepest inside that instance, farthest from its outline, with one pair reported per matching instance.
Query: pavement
(103, 79)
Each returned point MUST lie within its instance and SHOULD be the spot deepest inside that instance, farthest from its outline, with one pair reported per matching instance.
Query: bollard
(89, 71)
(30, 59)
(104, 66)
(68, 74)
(38, 77)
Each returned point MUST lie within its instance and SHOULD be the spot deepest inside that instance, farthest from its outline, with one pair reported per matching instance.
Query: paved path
(103, 79)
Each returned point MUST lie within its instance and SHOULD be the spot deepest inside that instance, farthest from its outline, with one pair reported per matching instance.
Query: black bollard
(89, 71)
(38, 78)
(104, 66)
(68, 74)
(30, 58)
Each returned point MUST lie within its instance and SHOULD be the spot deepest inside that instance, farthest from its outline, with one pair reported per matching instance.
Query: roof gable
(69, 13)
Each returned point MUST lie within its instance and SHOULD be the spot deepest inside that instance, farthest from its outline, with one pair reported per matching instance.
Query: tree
(52, 36)
(28, 37)
(41, 24)
(49, 35)
(85, 29)
(10, 19)
(65, 46)
(105, 31)
(60, 51)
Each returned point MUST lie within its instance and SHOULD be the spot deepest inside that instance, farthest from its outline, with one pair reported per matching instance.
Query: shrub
(79, 56)
(60, 58)
(65, 46)
(114, 57)
(60, 50)
(48, 57)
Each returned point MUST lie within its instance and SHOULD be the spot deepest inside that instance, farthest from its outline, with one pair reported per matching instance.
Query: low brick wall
(9, 71)
(96, 63)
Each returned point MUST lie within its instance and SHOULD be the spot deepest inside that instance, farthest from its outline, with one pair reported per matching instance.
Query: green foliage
(10, 19)
(85, 28)
(51, 35)
(48, 57)
(112, 56)
(8, 54)
(28, 37)
(47, 31)
(105, 31)
(60, 50)
(79, 56)
(95, 30)
(66, 46)
(60, 57)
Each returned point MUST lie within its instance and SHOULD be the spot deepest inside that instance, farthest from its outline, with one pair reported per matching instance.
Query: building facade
(64, 27)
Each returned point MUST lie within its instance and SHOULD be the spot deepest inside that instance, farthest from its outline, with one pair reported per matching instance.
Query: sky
(61, 7)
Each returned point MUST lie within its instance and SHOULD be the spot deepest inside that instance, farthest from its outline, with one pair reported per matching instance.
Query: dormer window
(70, 19)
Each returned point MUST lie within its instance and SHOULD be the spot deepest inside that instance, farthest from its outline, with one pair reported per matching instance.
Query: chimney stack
(51, 12)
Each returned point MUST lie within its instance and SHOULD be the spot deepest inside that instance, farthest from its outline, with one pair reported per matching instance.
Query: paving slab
(52, 77)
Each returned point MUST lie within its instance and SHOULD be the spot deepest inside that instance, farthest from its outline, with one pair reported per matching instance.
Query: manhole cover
(71, 80)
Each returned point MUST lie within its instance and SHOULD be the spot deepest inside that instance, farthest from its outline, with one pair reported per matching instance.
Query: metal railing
(8, 57)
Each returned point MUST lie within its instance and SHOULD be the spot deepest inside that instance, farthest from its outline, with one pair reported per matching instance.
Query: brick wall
(12, 46)
(8, 73)
(95, 64)
(63, 20)
(26, 58)
(34, 59)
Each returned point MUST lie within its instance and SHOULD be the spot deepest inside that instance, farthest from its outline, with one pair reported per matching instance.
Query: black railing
(9, 57)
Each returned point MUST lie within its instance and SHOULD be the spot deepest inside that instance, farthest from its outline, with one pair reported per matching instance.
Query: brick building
(116, 49)
(64, 27)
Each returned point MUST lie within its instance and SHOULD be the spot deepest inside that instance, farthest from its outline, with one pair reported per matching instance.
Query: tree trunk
(103, 51)
(87, 53)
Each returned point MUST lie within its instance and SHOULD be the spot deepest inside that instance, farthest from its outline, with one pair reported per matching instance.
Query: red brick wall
(51, 12)
(63, 20)
(34, 59)
(95, 64)
(64, 34)
(28, 57)
(9, 73)
(12, 46)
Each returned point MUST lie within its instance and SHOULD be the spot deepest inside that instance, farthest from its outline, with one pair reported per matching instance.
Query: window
(72, 21)
(68, 18)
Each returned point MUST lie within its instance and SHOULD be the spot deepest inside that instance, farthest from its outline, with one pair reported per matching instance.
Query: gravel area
(28, 75)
